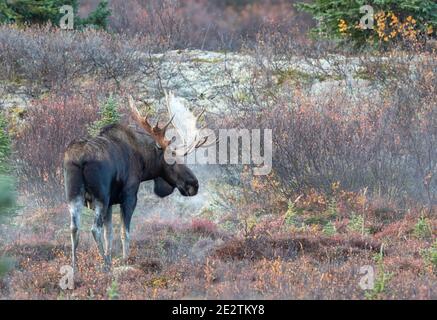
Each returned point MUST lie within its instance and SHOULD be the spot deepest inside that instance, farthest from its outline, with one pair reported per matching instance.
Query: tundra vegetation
(354, 177)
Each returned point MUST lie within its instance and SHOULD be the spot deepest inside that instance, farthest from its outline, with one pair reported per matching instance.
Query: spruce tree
(43, 11)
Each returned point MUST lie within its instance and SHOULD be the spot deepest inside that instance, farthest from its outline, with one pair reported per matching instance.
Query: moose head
(173, 173)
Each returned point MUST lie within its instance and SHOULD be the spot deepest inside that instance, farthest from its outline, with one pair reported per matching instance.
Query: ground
(199, 259)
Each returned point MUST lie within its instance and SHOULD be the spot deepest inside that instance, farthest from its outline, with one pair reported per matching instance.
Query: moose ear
(162, 188)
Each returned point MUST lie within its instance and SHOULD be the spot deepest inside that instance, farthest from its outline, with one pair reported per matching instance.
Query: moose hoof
(107, 264)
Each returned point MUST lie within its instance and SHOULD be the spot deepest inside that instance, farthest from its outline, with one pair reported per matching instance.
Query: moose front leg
(127, 209)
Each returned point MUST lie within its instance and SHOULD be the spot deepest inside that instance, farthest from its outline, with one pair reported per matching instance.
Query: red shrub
(51, 123)
(206, 24)
(204, 227)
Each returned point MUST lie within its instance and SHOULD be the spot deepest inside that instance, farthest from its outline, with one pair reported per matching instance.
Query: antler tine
(171, 114)
(212, 142)
(183, 150)
(190, 149)
(201, 143)
(157, 133)
(168, 123)
(132, 106)
(167, 99)
(142, 120)
(200, 114)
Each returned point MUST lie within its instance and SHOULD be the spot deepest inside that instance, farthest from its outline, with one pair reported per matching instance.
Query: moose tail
(74, 182)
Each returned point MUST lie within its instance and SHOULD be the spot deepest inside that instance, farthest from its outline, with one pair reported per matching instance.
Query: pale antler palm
(185, 123)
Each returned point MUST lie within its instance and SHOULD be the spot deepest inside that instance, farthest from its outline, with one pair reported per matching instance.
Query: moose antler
(183, 121)
(156, 132)
(185, 124)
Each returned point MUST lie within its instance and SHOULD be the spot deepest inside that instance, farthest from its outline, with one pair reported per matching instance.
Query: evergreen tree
(99, 17)
(43, 11)
(109, 114)
(394, 20)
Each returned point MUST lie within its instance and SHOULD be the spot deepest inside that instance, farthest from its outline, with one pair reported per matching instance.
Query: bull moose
(107, 169)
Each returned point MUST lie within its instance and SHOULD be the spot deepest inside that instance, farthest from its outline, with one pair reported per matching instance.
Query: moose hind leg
(127, 209)
(75, 207)
(125, 240)
(107, 232)
(97, 227)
